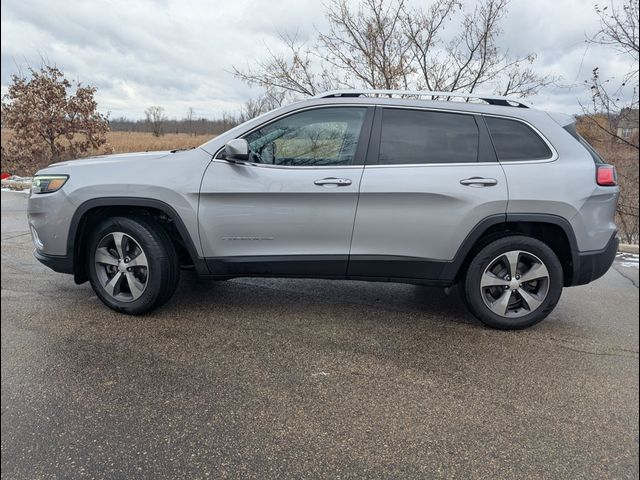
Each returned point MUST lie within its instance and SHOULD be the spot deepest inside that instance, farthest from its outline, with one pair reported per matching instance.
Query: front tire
(513, 283)
(132, 263)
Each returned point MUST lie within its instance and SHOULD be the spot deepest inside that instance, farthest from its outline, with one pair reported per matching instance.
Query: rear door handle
(479, 182)
(332, 181)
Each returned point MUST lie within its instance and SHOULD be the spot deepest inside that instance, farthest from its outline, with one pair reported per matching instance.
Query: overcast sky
(179, 54)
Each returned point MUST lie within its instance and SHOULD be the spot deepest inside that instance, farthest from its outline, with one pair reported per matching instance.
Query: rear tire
(133, 265)
(513, 283)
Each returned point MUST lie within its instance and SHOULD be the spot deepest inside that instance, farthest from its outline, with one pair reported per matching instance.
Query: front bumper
(57, 263)
(589, 266)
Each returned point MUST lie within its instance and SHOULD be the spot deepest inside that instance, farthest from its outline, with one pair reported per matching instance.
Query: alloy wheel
(121, 266)
(514, 284)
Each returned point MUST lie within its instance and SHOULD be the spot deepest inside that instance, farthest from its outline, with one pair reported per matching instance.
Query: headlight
(48, 183)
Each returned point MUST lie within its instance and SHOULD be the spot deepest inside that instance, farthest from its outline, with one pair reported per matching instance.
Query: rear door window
(421, 137)
(515, 141)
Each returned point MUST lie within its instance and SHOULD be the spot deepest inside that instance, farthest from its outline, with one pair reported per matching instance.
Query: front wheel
(513, 283)
(132, 263)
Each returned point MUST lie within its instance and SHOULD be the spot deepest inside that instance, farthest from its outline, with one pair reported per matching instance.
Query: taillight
(606, 175)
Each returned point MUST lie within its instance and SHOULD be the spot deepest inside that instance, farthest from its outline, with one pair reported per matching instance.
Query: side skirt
(395, 269)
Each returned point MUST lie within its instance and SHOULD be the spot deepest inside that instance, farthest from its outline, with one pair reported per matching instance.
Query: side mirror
(236, 149)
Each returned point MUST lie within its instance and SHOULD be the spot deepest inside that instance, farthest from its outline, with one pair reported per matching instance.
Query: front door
(290, 209)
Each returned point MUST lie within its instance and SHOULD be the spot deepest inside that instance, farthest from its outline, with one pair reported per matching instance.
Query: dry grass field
(139, 142)
(123, 142)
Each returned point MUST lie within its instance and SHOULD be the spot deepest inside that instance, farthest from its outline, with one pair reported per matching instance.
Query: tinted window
(325, 136)
(414, 136)
(516, 141)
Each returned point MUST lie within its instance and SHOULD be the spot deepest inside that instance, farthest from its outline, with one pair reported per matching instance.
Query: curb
(627, 248)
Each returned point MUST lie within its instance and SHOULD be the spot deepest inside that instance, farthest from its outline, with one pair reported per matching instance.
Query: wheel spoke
(136, 287)
(139, 261)
(104, 256)
(119, 239)
(538, 270)
(114, 283)
(501, 304)
(512, 260)
(532, 301)
(121, 266)
(491, 280)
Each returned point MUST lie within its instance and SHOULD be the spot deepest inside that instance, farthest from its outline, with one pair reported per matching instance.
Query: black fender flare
(72, 251)
(452, 269)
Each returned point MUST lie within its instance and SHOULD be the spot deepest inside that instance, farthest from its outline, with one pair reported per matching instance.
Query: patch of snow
(17, 184)
(630, 260)
(26, 191)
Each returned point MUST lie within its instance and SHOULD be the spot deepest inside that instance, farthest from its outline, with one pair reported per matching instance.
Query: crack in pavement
(632, 280)
(16, 236)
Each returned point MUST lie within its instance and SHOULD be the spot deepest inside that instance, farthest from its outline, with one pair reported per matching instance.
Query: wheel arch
(553, 230)
(93, 210)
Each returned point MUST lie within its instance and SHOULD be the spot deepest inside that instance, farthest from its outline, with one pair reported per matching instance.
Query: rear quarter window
(515, 141)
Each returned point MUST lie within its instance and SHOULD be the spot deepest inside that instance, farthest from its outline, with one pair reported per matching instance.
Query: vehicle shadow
(363, 300)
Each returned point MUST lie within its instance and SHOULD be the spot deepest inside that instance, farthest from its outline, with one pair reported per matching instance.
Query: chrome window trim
(409, 165)
(287, 167)
(553, 158)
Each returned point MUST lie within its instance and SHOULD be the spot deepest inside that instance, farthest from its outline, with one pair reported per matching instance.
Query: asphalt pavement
(271, 378)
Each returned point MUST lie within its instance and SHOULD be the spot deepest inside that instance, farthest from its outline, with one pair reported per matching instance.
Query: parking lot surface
(271, 378)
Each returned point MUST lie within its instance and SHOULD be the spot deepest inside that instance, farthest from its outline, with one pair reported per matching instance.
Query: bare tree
(252, 108)
(472, 58)
(190, 116)
(619, 30)
(389, 44)
(614, 101)
(155, 117)
(49, 122)
(368, 45)
(294, 73)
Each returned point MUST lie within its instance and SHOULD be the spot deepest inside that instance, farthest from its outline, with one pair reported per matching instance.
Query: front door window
(312, 138)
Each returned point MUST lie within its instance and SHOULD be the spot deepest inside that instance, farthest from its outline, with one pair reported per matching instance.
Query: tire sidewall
(480, 262)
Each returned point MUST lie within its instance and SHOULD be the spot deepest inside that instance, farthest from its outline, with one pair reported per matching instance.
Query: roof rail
(490, 99)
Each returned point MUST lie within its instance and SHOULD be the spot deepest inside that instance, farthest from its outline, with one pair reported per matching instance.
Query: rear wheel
(133, 266)
(513, 283)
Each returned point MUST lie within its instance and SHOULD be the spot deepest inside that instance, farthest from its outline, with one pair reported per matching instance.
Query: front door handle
(479, 182)
(332, 181)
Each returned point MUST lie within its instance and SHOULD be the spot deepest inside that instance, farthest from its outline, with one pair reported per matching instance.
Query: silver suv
(504, 200)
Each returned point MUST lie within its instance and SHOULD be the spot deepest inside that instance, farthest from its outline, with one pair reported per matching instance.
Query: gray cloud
(179, 54)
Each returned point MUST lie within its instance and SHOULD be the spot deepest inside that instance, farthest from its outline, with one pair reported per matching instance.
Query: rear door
(290, 209)
(431, 177)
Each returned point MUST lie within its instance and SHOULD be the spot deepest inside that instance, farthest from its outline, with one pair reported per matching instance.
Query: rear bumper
(589, 266)
(57, 263)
